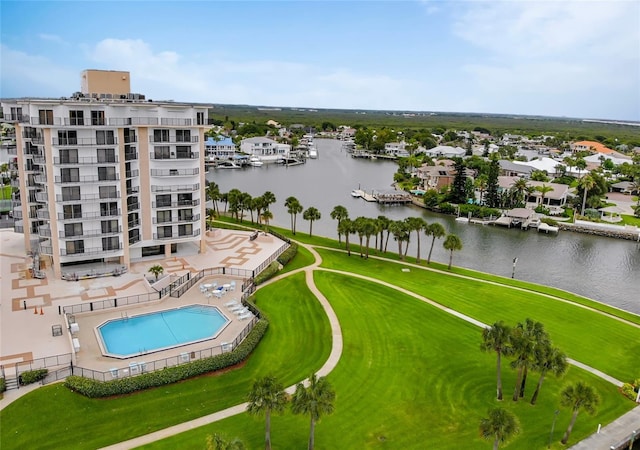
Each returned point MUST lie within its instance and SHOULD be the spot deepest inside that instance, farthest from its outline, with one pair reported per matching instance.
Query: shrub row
(3, 385)
(478, 211)
(267, 273)
(288, 254)
(93, 388)
(549, 221)
(31, 376)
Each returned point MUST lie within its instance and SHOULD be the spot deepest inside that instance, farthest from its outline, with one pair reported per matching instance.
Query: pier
(384, 197)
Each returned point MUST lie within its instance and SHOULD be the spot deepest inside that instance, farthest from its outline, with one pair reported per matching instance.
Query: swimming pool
(160, 330)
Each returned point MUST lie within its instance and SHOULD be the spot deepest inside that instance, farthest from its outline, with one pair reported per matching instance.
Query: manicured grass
(630, 220)
(411, 377)
(54, 417)
(303, 258)
(594, 339)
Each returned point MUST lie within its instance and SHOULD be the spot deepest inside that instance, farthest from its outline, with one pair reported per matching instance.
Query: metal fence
(130, 368)
(43, 363)
(109, 303)
(268, 261)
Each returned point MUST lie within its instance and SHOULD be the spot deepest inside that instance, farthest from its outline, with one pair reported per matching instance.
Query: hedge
(3, 385)
(31, 376)
(267, 273)
(288, 254)
(92, 388)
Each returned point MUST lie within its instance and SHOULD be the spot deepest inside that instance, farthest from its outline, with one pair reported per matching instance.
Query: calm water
(604, 269)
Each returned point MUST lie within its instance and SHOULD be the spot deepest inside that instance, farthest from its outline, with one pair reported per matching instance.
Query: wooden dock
(362, 194)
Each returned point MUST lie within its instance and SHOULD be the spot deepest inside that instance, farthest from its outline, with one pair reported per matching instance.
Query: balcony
(173, 156)
(42, 197)
(44, 231)
(83, 142)
(173, 140)
(178, 220)
(86, 160)
(43, 214)
(174, 172)
(133, 207)
(130, 139)
(178, 204)
(134, 223)
(130, 156)
(40, 179)
(89, 234)
(87, 197)
(133, 190)
(22, 118)
(91, 251)
(89, 215)
(176, 122)
(17, 214)
(195, 233)
(176, 188)
(85, 179)
(125, 121)
(39, 159)
(132, 173)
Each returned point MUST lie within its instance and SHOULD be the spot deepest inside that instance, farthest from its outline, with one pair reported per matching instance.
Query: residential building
(221, 147)
(396, 149)
(266, 149)
(556, 197)
(446, 151)
(440, 175)
(509, 169)
(107, 178)
(590, 146)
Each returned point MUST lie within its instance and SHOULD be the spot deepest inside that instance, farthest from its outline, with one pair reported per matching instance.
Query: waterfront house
(625, 187)
(509, 169)
(436, 177)
(396, 149)
(544, 164)
(221, 147)
(264, 148)
(590, 146)
(446, 151)
(556, 197)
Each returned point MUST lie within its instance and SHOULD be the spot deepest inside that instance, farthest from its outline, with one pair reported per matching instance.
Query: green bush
(447, 208)
(549, 221)
(31, 376)
(542, 210)
(94, 389)
(288, 254)
(3, 385)
(478, 211)
(592, 213)
(267, 273)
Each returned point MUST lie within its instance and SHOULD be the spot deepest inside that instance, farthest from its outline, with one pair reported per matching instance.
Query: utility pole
(513, 272)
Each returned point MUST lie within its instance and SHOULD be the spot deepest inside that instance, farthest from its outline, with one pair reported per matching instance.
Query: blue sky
(557, 58)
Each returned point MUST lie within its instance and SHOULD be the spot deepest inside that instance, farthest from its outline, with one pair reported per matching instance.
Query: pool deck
(26, 334)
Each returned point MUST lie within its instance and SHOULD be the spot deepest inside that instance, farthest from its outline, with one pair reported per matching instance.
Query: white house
(221, 148)
(446, 151)
(264, 148)
(396, 149)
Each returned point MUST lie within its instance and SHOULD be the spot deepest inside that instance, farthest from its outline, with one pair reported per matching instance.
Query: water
(604, 269)
(160, 330)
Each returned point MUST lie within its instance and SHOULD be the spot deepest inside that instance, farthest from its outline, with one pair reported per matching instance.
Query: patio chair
(218, 294)
(245, 316)
(242, 311)
(114, 372)
(232, 286)
(231, 303)
(235, 308)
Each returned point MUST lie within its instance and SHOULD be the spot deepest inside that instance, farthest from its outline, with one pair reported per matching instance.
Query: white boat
(227, 165)
(255, 161)
(313, 153)
(356, 193)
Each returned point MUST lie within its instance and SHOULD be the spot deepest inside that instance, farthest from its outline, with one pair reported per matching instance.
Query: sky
(564, 58)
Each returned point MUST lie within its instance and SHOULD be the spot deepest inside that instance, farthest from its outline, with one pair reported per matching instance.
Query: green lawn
(53, 417)
(410, 377)
(594, 339)
(303, 258)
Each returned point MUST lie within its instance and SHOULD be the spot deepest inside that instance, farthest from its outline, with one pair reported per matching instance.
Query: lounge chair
(242, 311)
(236, 308)
(245, 316)
(231, 303)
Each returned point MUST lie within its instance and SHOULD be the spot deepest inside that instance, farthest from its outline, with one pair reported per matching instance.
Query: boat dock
(359, 193)
(384, 197)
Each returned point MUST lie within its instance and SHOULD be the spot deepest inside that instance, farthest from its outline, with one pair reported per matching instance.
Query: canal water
(604, 269)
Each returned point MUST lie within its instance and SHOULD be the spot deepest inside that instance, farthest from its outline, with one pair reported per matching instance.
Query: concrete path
(614, 433)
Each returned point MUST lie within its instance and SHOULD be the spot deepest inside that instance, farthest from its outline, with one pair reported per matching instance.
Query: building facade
(104, 181)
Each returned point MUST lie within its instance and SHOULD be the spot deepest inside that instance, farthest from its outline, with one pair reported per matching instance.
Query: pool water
(132, 336)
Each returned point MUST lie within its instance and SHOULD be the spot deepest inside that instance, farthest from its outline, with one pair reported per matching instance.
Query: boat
(227, 165)
(313, 153)
(255, 161)
(356, 193)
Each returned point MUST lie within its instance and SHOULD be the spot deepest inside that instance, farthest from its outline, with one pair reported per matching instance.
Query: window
(129, 135)
(76, 118)
(163, 216)
(161, 152)
(72, 211)
(108, 209)
(106, 155)
(106, 173)
(185, 230)
(160, 135)
(183, 152)
(45, 116)
(185, 214)
(134, 236)
(133, 220)
(110, 243)
(16, 113)
(164, 232)
(185, 199)
(109, 226)
(97, 117)
(105, 137)
(71, 175)
(73, 229)
(69, 156)
(70, 193)
(75, 247)
(183, 135)
(67, 137)
(163, 200)
(200, 118)
(108, 192)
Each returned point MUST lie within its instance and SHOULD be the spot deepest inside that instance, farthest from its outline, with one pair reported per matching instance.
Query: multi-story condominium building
(106, 176)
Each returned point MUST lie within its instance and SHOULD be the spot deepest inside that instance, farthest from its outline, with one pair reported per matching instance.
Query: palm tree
(293, 208)
(358, 227)
(269, 199)
(384, 222)
(520, 186)
(501, 425)
(578, 396)
(266, 216)
(346, 228)
(570, 162)
(156, 270)
(437, 231)
(213, 193)
(399, 230)
(497, 338)
(339, 213)
(311, 214)
(266, 395)
(315, 400)
(586, 183)
(416, 224)
(244, 204)
(481, 185)
(218, 442)
(548, 359)
(525, 340)
(544, 190)
(452, 243)
(581, 165)
(368, 229)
